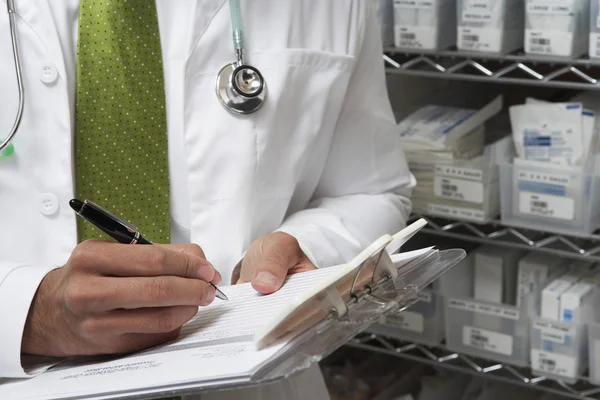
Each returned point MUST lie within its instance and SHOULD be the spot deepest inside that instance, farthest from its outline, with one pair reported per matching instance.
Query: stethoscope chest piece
(241, 88)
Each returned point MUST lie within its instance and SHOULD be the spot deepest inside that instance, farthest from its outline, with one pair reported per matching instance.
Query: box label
(477, 10)
(415, 37)
(541, 177)
(548, 206)
(470, 214)
(551, 7)
(553, 332)
(415, 4)
(407, 320)
(459, 172)
(595, 43)
(479, 39)
(487, 340)
(479, 308)
(552, 363)
(458, 189)
(552, 42)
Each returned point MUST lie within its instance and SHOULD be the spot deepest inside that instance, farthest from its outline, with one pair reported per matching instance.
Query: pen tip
(76, 205)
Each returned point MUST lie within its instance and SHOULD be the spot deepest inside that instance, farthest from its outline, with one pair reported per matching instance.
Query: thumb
(269, 275)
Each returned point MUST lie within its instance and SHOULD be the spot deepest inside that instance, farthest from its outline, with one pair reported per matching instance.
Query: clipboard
(324, 318)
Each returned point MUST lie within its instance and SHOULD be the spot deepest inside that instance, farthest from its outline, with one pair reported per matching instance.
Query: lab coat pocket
(306, 90)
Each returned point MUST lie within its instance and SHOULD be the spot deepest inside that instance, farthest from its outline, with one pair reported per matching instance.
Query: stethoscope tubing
(17, 58)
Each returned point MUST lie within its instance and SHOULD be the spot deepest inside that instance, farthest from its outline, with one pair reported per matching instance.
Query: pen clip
(131, 228)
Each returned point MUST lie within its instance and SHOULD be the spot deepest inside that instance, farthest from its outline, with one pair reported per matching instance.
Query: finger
(142, 292)
(115, 259)
(197, 251)
(269, 275)
(147, 320)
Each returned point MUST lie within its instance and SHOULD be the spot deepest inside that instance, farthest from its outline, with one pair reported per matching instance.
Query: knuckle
(160, 289)
(88, 327)
(76, 298)
(157, 257)
(194, 249)
(81, 255)
(167, 321)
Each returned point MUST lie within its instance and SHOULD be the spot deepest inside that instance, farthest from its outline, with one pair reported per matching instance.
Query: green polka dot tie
(121, 129)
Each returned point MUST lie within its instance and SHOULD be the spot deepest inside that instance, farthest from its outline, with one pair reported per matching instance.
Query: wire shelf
(442, 357)
(584, 247)
(517, 68)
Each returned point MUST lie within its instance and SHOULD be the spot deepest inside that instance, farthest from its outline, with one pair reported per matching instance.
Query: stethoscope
(241, 88)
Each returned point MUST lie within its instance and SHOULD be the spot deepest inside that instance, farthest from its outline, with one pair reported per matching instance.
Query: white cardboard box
(496, 274)
(534, 270)
(594, 50)
(572, 301)
(557, 28)
(492, 26)
(385, 15)
(551, 296)
(424, 24)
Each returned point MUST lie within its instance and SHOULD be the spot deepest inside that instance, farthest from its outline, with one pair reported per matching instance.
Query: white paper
(486, 309)
(469, 214)
(458, 189)
(487, 340)
(553, 363)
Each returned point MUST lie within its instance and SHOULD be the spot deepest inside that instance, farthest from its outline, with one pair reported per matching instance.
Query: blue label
(542, 188)
(547, 345)
(568, 315)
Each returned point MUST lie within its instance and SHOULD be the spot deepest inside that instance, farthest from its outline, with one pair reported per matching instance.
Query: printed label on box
(553, 332)
(477, 10)
(459, 172)
(415, 37)
(558, 43)
(545, 205)
(421, 4)
(458, 189)
(551, 7)
(479, 39)
(552, 363)
(487, 340)
(479, 308)
(542, 177)
(407, 320)
(470, 214)
(595, 43)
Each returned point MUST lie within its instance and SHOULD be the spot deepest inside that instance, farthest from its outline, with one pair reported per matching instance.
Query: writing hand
(114, 298)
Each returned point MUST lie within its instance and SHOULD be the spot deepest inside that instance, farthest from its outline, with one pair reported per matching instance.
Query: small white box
(557, 28)
(572, 301)
(493, 26)
(424, 24)
(534, 270)
(551, 296)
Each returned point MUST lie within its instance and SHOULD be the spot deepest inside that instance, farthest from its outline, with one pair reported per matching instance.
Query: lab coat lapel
(205, 12)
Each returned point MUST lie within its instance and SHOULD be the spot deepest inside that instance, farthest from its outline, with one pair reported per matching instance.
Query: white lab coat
(320, 160)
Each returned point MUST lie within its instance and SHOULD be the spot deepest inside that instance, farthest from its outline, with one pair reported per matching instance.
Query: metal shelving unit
(517, 68)
(584, 247)
(444, 358)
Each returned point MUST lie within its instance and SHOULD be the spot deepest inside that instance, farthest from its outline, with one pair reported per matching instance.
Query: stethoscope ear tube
(6, 147)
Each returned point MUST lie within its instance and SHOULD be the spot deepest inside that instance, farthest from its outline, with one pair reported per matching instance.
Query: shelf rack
(515, 68)
(584, 247)
(439, 356)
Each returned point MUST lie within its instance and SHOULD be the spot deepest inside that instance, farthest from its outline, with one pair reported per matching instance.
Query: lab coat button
(48, 204)
(49, 73)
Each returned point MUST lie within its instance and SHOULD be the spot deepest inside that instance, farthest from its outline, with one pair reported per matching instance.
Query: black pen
(115, 227)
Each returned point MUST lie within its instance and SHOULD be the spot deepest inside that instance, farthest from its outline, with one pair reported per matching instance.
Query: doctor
(121, 108)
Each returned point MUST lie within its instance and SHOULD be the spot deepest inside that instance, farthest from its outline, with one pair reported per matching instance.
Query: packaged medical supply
(425, 24)
(494, 26)
(534, 270)
(551, 295)
(446, 132)
(558, 28)
(496, 274)
(574, 299)
(550, 133)
(385, 16)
